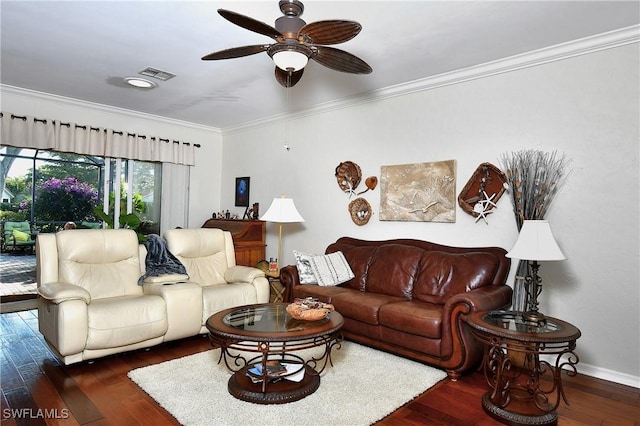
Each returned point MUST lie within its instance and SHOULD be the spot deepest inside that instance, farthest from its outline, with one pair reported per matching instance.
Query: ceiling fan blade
(236, 52)
(250, 24)
(287, 79)
(329, 32)
(339, 60)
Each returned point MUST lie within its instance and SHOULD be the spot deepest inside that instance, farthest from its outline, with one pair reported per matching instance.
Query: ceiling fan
(296, 43)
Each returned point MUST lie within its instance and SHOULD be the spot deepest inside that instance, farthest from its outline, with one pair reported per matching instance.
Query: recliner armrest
(166, 278)
(240, 273)
(60, 292)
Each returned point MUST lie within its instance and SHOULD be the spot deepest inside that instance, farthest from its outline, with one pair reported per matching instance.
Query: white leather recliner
(209, 258)
(90, 304)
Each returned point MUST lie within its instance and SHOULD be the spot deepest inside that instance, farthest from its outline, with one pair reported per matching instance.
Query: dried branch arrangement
(534, 178)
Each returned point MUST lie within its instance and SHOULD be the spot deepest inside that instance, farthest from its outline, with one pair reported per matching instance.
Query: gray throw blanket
(159, 259)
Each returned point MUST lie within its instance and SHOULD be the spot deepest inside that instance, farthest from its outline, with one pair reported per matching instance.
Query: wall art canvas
(242, 191)
(420, 192)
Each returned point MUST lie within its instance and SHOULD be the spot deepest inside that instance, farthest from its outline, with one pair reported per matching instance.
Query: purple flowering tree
(65, 200)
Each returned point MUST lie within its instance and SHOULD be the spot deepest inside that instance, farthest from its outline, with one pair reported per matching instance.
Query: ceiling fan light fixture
(290, 59)
(141, 83)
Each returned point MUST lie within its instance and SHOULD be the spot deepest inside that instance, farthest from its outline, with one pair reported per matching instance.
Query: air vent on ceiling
(156, 73)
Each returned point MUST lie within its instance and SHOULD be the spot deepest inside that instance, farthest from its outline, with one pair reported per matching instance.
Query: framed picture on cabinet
(242, 191)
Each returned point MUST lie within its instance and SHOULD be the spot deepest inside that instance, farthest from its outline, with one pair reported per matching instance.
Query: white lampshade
(282, 210)
(536, 242)
(286, 59)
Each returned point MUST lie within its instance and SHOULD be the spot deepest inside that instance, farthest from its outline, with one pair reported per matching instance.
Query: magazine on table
(277, 370)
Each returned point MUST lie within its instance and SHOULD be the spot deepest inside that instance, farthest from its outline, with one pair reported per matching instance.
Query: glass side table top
(511, 325)
(514, 321)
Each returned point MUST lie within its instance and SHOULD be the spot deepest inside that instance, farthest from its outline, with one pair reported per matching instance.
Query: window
(51, 188)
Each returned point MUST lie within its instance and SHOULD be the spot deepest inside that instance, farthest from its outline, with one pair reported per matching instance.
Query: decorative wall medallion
(422, 192)
(483, 190)
(348, 175)
(360, 211)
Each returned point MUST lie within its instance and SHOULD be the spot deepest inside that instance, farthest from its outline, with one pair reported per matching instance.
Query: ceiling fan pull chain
(286, 119)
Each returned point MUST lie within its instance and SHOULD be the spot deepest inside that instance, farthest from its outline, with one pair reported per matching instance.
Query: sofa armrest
(60, 292)
(289, 278)
(456, 336)
(483, 298)
(242, 274)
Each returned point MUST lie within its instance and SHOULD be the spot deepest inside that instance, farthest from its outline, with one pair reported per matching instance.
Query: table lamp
(535, 243)
(282, 210)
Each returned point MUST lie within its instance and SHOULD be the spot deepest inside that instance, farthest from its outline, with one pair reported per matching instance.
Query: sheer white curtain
(175, 197)
(26, 132)
(175, 156)
(31, 132)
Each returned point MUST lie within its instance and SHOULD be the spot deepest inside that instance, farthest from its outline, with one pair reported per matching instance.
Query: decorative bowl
(309, 309)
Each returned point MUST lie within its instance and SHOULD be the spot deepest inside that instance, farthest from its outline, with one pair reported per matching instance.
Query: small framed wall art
(242, 191)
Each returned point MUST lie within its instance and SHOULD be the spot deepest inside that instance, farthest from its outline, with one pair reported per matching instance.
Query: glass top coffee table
(254, 336)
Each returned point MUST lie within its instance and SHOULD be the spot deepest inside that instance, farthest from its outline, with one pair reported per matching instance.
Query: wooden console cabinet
(248, 238)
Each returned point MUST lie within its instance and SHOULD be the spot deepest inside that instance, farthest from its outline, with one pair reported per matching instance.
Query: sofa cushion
(221, 296)
(105, 262)
(203, 252)
(442, 275)
(360, 306)
(414, 317)
(359, 259)
(393, 270)
(322, 293)
(305, 271)
(331, 269)
(120, 321)
(20, 236)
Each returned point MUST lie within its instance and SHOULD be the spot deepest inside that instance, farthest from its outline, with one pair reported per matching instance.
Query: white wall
(585, 107)
(205, 180)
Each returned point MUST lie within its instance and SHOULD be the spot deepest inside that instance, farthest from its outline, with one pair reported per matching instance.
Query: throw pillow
(20, 236)
(305, 272)
(331, 269)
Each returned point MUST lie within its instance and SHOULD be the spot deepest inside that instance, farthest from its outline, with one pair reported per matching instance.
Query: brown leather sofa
(409, 297)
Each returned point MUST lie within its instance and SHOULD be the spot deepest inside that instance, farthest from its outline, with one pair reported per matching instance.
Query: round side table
(524, 389)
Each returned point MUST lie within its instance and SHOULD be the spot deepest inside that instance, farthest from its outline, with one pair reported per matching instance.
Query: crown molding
(584, 46)
(34, 94)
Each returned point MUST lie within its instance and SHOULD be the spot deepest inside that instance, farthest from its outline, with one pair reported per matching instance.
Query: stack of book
(276, 370)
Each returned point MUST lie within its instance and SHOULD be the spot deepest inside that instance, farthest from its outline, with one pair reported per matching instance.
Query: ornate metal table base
(276, 390)
(254, 336)
(280, 392)
(511, 418)
(524, 389)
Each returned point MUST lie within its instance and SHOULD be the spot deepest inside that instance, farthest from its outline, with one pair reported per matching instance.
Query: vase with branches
(533, 179)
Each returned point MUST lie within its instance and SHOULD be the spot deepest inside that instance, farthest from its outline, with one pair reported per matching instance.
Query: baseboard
(609, 375)
(17, 306)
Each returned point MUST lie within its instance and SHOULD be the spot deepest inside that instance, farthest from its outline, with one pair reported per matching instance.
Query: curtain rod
(95, 129)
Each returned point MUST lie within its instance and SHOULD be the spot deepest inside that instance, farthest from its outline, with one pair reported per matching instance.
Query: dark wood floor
(101, 393)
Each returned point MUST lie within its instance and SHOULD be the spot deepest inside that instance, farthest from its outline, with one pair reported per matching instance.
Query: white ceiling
(83, 49)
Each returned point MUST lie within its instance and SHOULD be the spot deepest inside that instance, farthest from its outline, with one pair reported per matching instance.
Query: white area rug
(363, 386)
